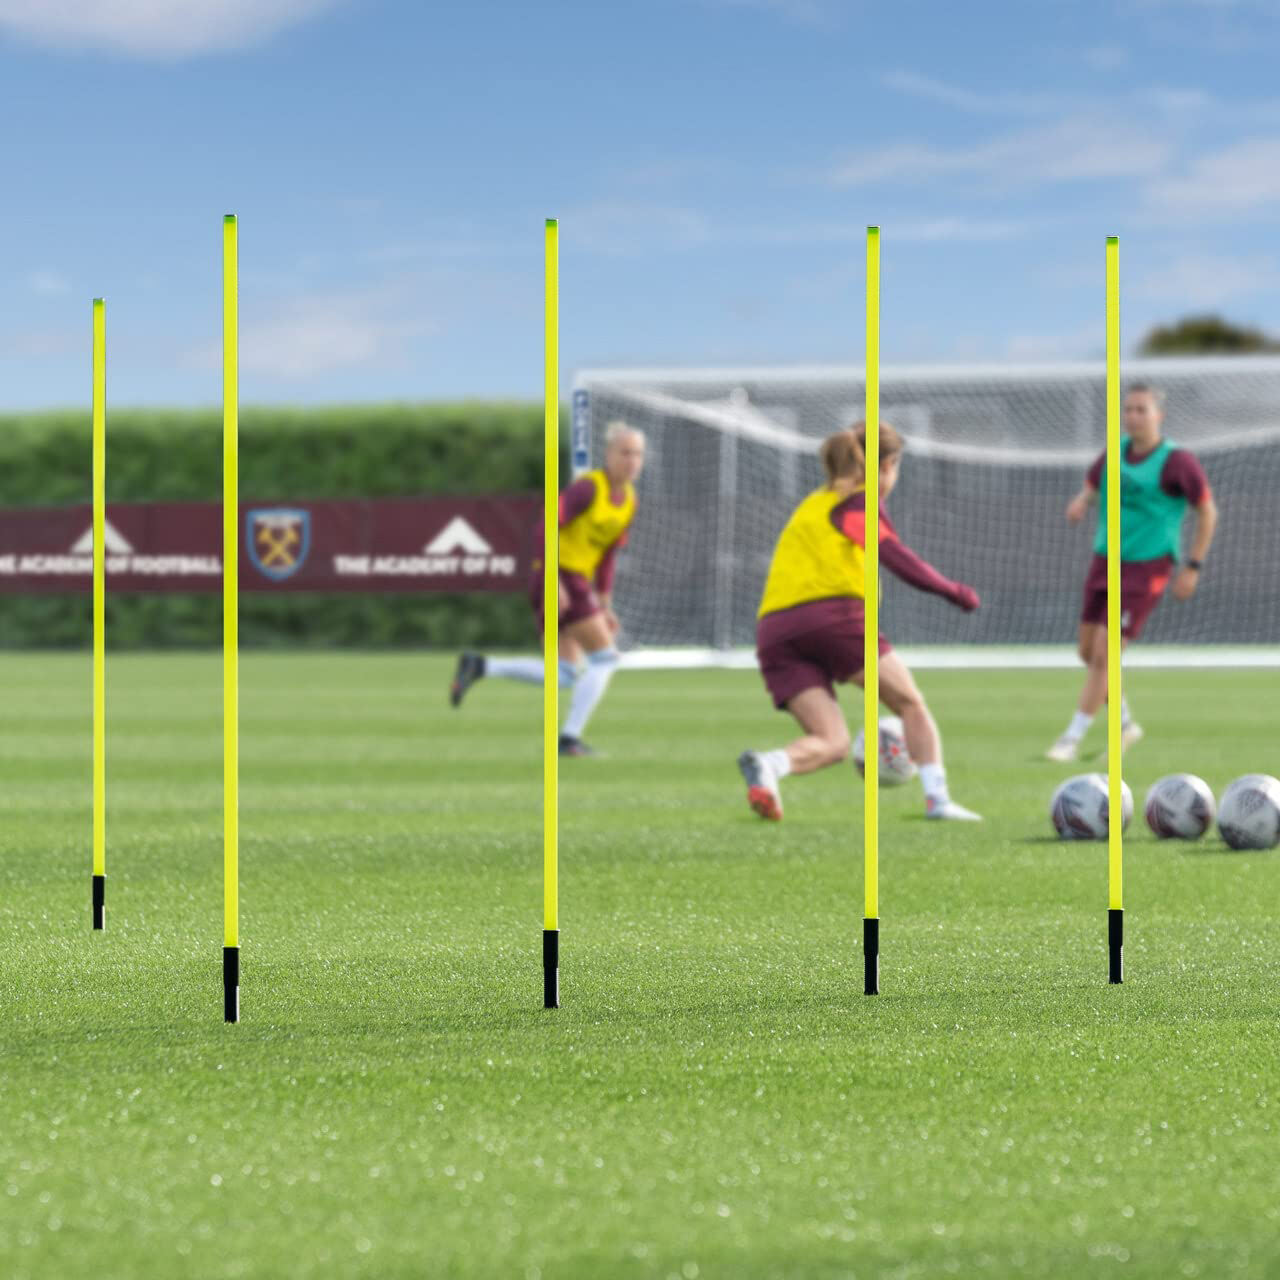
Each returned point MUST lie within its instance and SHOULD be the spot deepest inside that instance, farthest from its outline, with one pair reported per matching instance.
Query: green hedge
(285, 455)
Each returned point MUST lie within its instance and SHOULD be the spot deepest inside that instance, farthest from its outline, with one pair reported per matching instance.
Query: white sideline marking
(983, 657)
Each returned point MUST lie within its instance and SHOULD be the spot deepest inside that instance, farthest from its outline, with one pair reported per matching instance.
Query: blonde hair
(844, 453)
(617, 429)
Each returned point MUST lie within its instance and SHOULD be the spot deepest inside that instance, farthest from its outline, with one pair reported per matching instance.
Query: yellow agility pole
(99, 614)
(871, 638)
(1115, 821)
(230, 623)
(551, 629)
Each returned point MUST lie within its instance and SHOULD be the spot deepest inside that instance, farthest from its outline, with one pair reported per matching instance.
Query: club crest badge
(279, 539)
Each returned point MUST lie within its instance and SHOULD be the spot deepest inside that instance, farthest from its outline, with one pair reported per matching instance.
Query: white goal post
(993, 454)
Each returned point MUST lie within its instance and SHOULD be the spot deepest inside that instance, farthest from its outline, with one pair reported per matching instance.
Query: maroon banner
(379, 544)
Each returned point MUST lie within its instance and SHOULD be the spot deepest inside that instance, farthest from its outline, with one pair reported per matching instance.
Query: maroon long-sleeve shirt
(575, 501)
(850, 518)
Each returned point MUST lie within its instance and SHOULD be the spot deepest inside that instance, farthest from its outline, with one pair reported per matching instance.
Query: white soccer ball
(1079, 809)
(1249, 814)
(1180, 806)
(896, 766)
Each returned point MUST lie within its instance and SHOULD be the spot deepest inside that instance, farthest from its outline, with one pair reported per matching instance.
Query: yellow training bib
(585, 539)
(813, 560)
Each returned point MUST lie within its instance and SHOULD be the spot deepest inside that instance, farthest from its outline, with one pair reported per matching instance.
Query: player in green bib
(1158, 483)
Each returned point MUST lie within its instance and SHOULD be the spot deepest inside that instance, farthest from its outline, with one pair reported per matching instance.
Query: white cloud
(921, 86)
(1127, 100)
(48, 284)
(1208, 280)
(623, 226)
(1220, 5)
(1241, 178)
(1078, 148)
(915, 231)
(1107, 57)
(154, 28)
(1176, 101)
(34, 346)
(322, 333)
(809, 12)
(958, 230)
(1034, 348)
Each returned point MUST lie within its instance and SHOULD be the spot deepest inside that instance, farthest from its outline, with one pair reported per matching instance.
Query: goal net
(992, 457)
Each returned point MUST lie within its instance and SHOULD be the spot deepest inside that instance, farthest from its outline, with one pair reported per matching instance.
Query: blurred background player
(596, 511)
(1158, 481)
(809, 634)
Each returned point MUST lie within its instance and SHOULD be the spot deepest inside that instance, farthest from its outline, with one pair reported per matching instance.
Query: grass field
(716, 1098)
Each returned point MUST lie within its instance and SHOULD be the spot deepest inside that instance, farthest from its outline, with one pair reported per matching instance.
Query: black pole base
(551, 968)
(231, 984)
(99, 902)
(1115, 943)
(871, 955)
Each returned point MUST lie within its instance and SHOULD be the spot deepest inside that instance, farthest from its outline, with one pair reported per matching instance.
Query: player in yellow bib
(596, 512)
(809, 635)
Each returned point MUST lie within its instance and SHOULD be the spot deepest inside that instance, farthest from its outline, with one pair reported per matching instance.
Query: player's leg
(590, 637)
(800, 672)
(525, 669)
(1092, 636)
(1093, 696)
(528, 670)
(1138, 606)
(900, 693)
(826, 735)
(825, 742)
(1130, 730)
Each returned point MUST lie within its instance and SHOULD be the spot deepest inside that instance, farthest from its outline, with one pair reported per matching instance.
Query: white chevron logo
(457, 535)
(116, 544)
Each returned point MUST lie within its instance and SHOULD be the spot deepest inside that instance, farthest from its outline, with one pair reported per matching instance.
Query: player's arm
(605, 572)
(576, 499)
(1087, 498)
(917, 572)
(904, 563)
(1184, 475)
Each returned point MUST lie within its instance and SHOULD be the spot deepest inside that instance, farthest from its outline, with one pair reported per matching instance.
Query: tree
(1198, 335)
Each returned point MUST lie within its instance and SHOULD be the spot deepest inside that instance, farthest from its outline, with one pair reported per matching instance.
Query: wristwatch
(1197, 565)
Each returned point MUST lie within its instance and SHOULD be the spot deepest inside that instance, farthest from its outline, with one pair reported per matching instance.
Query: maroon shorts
(1142, 583)
(583, 601)
(817, 645)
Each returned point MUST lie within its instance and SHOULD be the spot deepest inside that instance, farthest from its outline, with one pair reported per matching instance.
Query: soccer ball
(896, 766)
(1079, 808)
(1249, 815)
(1180, 805)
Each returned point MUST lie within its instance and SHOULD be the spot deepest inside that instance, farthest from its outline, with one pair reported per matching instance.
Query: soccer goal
(993, 456)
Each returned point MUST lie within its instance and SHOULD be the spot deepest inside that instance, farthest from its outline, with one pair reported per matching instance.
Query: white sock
(528, 670)
(778, 761)
(1078, 727)
(589, 690)
(933, 778)
(1125, 718)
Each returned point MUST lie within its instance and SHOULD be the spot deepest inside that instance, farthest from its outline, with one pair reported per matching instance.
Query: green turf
(716, 1098)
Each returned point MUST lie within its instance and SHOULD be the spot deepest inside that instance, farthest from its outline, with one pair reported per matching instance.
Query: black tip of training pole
(99, 902)
(551, 968)
(871, 956)
(231, 984)
(1115, 943)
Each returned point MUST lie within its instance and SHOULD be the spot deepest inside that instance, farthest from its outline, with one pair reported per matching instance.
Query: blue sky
(713, 164)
